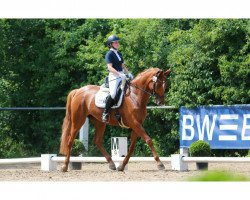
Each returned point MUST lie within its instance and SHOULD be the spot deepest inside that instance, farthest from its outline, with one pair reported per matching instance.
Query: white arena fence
(49, 161)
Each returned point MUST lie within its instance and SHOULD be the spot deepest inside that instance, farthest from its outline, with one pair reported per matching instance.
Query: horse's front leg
(141, 132)
(130, 152)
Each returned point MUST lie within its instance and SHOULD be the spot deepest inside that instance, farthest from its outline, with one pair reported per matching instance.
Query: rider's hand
(130, 76)
(122, 76)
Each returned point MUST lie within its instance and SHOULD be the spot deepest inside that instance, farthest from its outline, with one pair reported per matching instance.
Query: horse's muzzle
(159, 102)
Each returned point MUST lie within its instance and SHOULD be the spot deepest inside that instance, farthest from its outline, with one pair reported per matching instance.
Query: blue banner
(223, 127)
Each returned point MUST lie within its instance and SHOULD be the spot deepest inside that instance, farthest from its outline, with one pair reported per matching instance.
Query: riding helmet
(111, 39)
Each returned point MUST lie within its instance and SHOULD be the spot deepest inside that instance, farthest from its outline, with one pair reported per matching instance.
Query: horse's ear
(167, 72)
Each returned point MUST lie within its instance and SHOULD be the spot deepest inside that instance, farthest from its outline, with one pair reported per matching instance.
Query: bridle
(152, 92)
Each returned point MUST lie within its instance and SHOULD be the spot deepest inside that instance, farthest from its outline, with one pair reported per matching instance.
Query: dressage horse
(81, 104)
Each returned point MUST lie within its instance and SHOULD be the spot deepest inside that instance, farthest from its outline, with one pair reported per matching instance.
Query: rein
(148, 92)
(154, 94)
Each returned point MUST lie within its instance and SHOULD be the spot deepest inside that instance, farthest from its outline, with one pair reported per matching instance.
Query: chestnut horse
(81, 104)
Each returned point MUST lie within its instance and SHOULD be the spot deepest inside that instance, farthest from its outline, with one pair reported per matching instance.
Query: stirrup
(105, 117)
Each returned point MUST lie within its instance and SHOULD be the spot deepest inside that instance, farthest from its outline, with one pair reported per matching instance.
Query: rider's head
(113, 41)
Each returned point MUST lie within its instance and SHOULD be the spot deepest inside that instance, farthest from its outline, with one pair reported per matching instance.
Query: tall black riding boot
(109, 104)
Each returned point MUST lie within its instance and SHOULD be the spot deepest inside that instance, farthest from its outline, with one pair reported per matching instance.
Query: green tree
(41, 60)
(209, 63)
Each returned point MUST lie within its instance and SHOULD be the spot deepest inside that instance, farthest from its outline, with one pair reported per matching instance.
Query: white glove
(122, 76)
(130, 76)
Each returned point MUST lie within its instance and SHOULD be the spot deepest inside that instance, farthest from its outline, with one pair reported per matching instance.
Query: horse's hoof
(161, 167)
(64, 168)
(120, 168)
(112, 166)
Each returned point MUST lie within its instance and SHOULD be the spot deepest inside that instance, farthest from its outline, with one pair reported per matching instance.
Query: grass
(219, 176)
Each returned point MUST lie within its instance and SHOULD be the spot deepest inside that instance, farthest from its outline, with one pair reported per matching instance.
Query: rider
(117, 71)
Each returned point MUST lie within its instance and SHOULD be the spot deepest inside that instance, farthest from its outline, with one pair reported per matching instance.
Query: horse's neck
(139, 95)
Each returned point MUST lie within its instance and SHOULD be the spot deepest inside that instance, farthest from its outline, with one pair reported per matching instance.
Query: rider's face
(116, 44)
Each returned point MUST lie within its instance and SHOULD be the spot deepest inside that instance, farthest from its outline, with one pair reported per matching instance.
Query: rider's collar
(113, 49)
(116, 53)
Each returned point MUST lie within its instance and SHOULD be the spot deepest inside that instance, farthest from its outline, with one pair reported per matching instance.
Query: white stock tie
(116, 53)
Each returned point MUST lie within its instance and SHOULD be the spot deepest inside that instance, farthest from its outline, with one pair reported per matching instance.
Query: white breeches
(114, 81)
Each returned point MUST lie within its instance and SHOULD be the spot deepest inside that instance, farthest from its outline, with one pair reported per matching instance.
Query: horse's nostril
(160, 103)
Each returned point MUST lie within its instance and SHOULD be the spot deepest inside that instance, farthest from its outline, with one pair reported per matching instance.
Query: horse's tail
(66, 124)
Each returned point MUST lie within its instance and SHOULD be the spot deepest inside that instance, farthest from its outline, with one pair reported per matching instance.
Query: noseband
(155, 79)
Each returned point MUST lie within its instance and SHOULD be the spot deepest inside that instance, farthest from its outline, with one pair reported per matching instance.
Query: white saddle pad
(101, 95)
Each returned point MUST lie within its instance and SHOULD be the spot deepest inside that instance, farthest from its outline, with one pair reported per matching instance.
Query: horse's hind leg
(70, 143)
(73, 133)
(130, 151)
(77, 123)
(98, 137)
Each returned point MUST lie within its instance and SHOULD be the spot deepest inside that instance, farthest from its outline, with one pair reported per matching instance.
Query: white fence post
(184, 151)
(119, 148)
(47, 164)
(177, 162)
(84, 134)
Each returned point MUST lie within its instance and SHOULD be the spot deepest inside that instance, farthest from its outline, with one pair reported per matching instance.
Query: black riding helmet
(111, 39)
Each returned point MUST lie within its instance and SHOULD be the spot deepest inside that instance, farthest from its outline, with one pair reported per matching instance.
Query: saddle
(101, 95)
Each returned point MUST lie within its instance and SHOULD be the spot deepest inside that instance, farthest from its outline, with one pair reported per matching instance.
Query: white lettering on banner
(228, 127)
(227, 137)
(245, 127)
(229, 116)
(185, 127)
(189, 131)
(205, 124)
